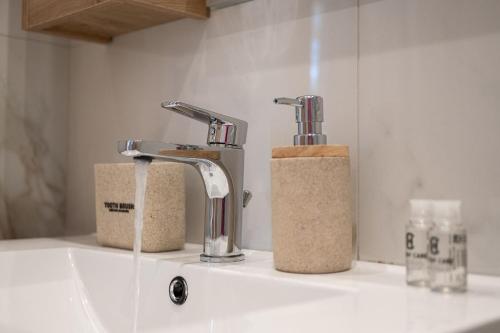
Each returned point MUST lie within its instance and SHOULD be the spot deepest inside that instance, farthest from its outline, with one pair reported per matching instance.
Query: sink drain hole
(178, 290)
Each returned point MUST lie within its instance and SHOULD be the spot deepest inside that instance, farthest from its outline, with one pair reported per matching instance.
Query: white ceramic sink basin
(59, 286)
(75, 289)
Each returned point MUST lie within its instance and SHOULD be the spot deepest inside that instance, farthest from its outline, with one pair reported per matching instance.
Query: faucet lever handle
(222, 129)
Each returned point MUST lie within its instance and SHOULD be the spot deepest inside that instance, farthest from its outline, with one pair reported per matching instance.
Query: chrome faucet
(220, 164)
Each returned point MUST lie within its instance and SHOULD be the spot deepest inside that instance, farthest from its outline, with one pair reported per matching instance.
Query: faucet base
(221, 259)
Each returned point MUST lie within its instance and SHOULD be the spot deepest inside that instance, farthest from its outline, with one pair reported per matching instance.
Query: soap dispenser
(312, 205)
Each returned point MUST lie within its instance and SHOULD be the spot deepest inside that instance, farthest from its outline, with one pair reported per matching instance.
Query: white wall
(427, 122)
(33, 107)
(429, 111)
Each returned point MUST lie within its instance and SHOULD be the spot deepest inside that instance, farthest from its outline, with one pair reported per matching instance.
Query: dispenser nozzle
(309, 116)
(287, 101)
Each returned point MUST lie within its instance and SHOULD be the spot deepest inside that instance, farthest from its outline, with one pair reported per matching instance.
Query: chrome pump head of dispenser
(309, 116)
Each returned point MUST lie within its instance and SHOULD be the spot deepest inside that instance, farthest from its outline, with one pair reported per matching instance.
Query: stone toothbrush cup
(164, 206)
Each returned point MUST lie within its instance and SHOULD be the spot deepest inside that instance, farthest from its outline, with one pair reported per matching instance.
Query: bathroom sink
(69, 287)
(38, 293)
(75, 289)
(217, 300)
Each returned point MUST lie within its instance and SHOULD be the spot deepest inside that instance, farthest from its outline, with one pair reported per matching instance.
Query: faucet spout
(221, 169)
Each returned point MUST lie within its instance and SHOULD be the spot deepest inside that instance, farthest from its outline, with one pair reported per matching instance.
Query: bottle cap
(420, 209)
(447, 211)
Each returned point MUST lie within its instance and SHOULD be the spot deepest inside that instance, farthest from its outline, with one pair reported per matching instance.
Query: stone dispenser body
(312, 213)
(164, 206)
(312, 200)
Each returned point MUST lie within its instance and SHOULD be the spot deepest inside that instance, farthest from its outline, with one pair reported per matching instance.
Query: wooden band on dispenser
(311, 151)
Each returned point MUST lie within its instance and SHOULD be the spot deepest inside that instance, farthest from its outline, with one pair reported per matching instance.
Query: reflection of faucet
(220, 164)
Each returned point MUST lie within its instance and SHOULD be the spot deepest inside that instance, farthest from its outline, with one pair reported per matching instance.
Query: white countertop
(377, 299)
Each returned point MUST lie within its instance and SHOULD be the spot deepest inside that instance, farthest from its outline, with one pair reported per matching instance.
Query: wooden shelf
(101, 20)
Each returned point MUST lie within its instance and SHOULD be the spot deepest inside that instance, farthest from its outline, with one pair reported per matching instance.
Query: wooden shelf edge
(176, 9)
(48, 23)
(79, 36)
(201, 13)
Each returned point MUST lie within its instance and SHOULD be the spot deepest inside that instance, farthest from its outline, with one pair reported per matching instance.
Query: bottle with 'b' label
(417, 272)
(447, 252)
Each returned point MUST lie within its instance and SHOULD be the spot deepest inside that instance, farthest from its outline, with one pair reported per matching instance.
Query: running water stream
(141, 175)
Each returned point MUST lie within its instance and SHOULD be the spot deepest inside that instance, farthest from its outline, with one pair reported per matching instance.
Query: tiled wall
(429, 120)
(33, 107)
(412, 88)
